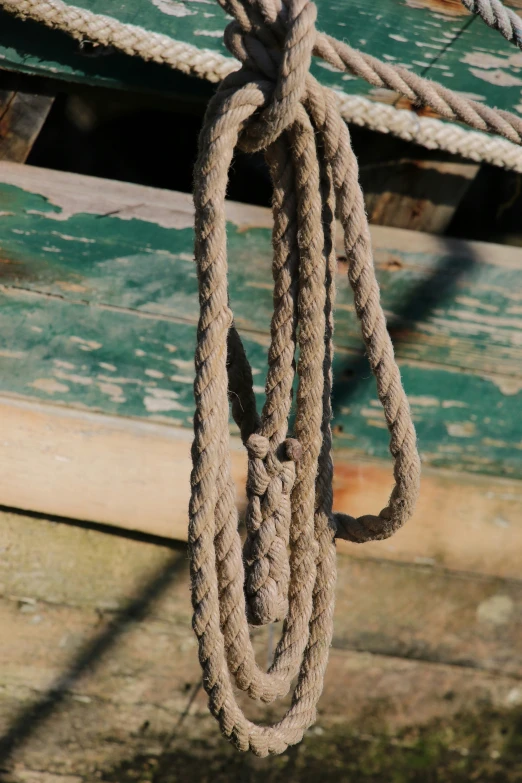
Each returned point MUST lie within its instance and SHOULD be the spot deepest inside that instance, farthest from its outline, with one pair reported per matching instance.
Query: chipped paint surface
(497, 77)
(172, 8)
(124, 345)
(444, 7)
(387, 28)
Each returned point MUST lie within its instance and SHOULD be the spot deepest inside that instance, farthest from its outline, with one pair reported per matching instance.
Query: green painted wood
(447, 305)
(437, 38)
(98, 311)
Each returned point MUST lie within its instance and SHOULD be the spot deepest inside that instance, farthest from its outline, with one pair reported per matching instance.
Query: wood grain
(416, 194)
(22, 116)
(413, 612)
(98, 311)
(135, 475)
(98, 662)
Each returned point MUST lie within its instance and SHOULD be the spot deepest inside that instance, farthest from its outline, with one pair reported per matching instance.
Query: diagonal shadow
(440, 284)
(91, 654)
(455, 262)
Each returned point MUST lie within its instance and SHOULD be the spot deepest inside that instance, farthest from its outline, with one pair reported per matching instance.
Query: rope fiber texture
(286, 568)
(84, 25)
(429, 132)
(273, 104)
(496, 15)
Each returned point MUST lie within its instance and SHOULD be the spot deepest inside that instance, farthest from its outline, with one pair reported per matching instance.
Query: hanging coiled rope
(273, 104)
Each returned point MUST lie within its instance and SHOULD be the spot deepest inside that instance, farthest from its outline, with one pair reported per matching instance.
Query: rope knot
(293, 449)
(271, 477)
(274, 41)
(257, 446)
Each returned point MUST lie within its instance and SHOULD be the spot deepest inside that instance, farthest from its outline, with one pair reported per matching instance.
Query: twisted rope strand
(496, 15)
(212, 66)
(232, 606)
(429, 132)
(419, 90)
(274, 104)
(208, 465)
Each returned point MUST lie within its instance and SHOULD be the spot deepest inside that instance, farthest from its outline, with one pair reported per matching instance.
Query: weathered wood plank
(382, 608)
(435, 37)
(98, 661)
(135, 475)
(453, 291)
(88, 357)
(29, 48)
(367, 699)
(420, 194)
(126, 252)
(22, 116)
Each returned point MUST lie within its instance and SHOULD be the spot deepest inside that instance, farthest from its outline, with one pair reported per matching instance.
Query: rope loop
(286, 570)
(272, 41)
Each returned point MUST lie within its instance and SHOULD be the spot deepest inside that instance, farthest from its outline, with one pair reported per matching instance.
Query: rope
(273, 104)
(497, 16)
(429, 132)
(286, 570)
(212, 66)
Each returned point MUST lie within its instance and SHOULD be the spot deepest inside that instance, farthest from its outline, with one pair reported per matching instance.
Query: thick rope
(429, 132)
(133, 40)
(496, 15)
(274, 104)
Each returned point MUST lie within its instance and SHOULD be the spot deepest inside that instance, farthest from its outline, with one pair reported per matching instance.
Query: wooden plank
(396, 707)
(22, 116)
(135, 475)
(434, 37)
(99, 311)
(98, 662)
(469, 620)
(31, 49)
(46, 216)
(417, 193)
(86, 357)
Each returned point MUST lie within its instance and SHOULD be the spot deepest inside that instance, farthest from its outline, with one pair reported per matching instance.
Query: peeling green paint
(100, 312)
(428, 36)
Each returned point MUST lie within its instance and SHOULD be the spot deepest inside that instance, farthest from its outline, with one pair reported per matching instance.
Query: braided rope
(429, 132)
(273, 104)
(212, 66)
(445, 102)
(496, 15)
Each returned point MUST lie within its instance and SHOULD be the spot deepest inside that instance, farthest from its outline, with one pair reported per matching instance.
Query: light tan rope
(274, 104)
(429, 132)
(204, 63)
(496, 15)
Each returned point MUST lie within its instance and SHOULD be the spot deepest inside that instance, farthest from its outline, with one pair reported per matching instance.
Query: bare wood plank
(118, 713)
(22, 116)
(381, 607)
(135, 475)
(417, 194)
(98, 662)
(85, 689)
(453, 309)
